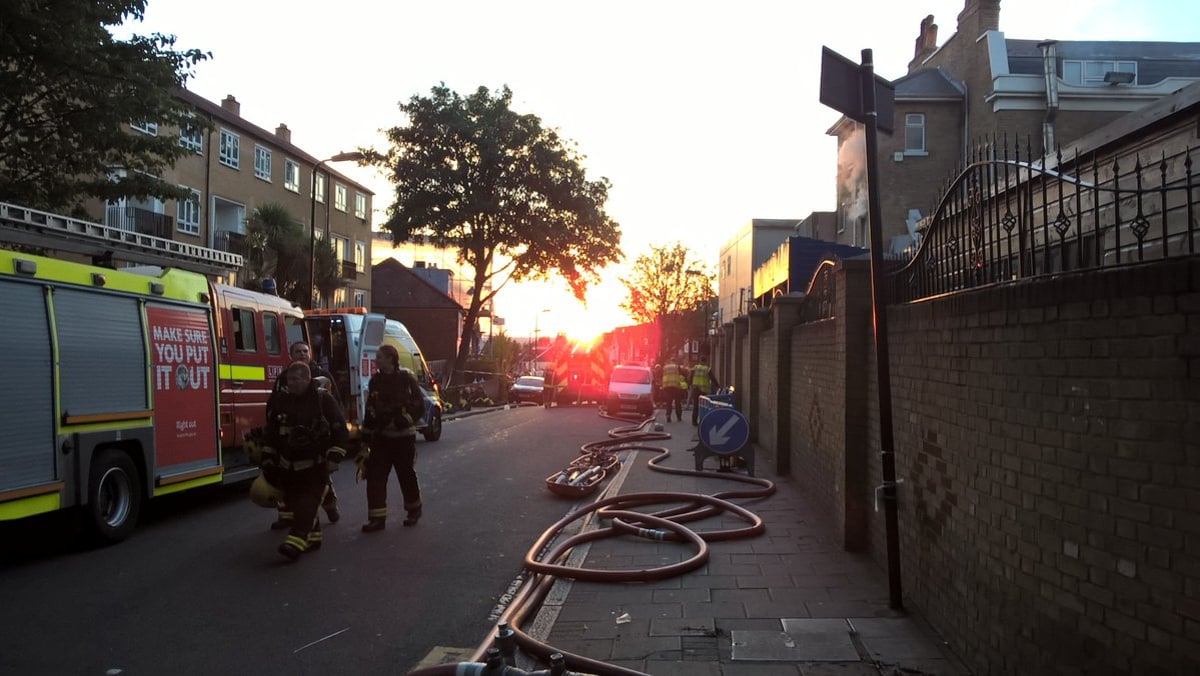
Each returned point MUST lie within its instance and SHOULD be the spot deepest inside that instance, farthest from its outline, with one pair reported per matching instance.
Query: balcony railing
(228, 240)
(142, 221)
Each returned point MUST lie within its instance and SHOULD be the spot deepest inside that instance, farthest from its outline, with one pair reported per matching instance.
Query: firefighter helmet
(263, 494)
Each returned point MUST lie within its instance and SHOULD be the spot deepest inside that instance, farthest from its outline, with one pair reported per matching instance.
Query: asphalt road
(199, 588)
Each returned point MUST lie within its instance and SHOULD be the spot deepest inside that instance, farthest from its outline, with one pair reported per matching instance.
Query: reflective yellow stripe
(185, 485)
(237, 372)
(38, 504)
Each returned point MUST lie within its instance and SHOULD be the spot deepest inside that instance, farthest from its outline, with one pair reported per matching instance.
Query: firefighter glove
(360, 462)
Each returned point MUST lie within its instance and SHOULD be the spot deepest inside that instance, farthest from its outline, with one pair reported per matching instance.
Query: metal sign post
(873, 106)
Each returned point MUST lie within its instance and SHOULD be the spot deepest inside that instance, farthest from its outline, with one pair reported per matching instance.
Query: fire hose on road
(545, 560)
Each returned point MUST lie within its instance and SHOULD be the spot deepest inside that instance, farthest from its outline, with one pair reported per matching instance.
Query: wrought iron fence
(1006, 217)
(821, 295)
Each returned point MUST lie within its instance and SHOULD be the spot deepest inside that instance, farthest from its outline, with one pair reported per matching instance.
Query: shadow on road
(47, 536)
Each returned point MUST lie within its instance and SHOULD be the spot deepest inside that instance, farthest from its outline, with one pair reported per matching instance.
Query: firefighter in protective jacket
(305, 433)
(299, 351)
(394, 405)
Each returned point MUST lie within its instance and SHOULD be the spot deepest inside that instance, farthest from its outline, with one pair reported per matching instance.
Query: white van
(630, 391)
(345, 341)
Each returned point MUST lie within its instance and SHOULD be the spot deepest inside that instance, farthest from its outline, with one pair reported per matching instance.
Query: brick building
(238, 166)
(981, 86)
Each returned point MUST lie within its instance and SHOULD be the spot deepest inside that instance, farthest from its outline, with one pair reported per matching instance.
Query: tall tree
(277, 246)
(668, 282)
(508, 194)
(67, 87)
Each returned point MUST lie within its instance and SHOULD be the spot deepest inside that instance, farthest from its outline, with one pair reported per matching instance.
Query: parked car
(630, 391)
(527, 389)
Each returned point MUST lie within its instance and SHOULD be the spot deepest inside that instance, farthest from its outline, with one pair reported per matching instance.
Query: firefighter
(673, 385)
(703, 383)
(548, 385)
(394, 404)
(305, 434)
(656, 386)
(299, 351)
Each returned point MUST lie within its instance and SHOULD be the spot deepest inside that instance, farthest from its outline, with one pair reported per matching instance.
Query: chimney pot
(231, 104)
(283, 133)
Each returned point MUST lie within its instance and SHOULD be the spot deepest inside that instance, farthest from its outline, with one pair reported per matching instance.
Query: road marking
(342, 631)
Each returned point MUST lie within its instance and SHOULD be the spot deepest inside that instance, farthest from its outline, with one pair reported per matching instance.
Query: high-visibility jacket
(700, 377)
(673, 376)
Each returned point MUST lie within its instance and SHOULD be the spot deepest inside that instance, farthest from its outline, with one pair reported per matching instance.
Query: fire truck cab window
(245, 339)
(295, 329)
(271, 332)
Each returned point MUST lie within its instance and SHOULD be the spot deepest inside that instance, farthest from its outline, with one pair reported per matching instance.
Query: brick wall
(767, 392)
(817, 433)
(1048, 437)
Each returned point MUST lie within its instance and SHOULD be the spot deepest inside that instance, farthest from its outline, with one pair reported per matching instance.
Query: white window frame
(339, 196)
(360, 254)
(150, 128)
(262, 163)
(291, 175)
(360, 298)
(188, 212)
(1098, 68)
(319, 187)
(191, 138)
(360, 204)
(339, 297)
(914, 123)
(231, 149)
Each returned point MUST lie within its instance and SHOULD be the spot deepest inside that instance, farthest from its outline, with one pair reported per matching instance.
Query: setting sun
(547, 309)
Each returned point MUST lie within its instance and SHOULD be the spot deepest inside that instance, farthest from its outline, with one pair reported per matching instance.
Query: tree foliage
(67, 87)
(277, 246)
(509, 195)
(666, 281)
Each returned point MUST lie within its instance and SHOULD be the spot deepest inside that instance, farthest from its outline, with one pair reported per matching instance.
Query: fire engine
(133, 383)
(580, 375)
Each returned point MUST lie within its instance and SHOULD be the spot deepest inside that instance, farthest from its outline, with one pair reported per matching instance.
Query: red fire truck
(133, 383)
(580, 374)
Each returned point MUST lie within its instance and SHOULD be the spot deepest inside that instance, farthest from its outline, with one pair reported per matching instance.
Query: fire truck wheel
(114, 498)
(433, 431)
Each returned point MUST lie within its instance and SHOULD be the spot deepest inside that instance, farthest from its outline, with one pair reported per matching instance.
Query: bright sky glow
(702, 114)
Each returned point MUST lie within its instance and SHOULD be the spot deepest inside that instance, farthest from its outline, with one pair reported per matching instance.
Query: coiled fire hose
(496, 654)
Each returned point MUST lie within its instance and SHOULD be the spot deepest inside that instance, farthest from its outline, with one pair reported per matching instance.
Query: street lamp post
(536, 332)
(312, 220)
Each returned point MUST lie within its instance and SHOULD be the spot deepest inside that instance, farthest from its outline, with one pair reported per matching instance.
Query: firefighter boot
(292, 547)
(284, 521)
(376, 520)
(413, 516)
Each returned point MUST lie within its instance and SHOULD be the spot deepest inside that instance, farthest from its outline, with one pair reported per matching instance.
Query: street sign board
(724, 431)
(841, 89)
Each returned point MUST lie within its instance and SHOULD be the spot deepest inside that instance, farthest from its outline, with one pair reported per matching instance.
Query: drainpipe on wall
(209, 202)
(1050, 71)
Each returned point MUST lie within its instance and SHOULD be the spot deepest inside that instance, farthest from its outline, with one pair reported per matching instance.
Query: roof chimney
(283, 133)
(926, 43)
(978, 17)
(231, 104)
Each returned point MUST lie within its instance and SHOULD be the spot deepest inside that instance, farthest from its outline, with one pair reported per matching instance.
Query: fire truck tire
(114, 497)
(433, 431)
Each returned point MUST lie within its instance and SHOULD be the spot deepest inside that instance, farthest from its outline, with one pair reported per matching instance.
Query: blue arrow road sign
(724, 431)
